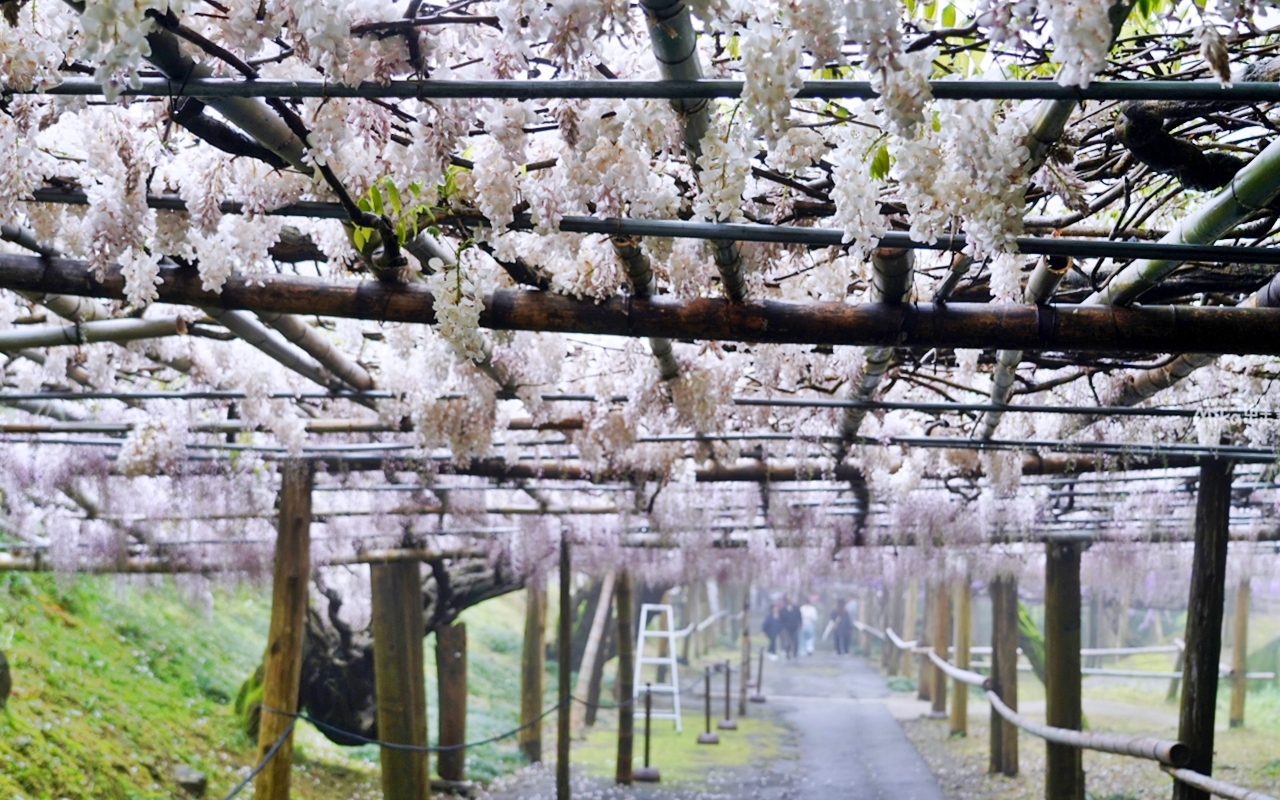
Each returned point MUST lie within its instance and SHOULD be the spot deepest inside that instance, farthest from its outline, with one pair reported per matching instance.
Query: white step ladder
(668, 635)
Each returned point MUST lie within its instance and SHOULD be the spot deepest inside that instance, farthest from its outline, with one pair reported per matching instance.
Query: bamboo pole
(941, 639)
(282, 663)
(626, 667)
(893, 271)
(1064, 767)
(106, 330)
(1239, 654)
(1004, 672)
(451, 676)
(1204, 623)
(1093, 328)
(589, 654)
(399, 679)
(960, 690)
(564, 650)
(532, 669)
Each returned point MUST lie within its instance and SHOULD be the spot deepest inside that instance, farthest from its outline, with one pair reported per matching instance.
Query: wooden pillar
(594, 637)
(744, 676)
(959, 690)
(1204, 622)
(908, 631)
(1064, 767)
(282, 663)
(924, 672)
(1004, 672)
(564, 649)
(398, 678)
(626, 676)
(532, 669)
(864, 616)
(889, 655)
(451, 675)
(941, 642)
(1239, 654)
(595, 685)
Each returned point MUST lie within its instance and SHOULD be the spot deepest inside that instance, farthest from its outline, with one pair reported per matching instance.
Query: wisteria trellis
(415, 178)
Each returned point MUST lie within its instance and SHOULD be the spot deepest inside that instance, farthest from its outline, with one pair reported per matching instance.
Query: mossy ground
(119, 680)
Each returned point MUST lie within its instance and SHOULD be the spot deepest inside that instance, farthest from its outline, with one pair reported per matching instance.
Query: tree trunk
(590, 652)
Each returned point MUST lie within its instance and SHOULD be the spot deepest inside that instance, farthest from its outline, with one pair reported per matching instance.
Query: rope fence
(266, 759)
(1171, 755)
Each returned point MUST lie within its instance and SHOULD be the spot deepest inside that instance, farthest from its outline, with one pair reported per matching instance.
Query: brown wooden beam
(399, 678)
(1064, 766)
(1204, 624)
(1099, 329)
(282, 663)
(451, 676)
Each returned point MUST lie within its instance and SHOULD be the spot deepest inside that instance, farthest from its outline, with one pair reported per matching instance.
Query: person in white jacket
(808, 628)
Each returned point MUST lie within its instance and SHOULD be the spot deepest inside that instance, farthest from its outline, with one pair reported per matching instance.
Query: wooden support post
(398, 678)
(1064, 767)
(941, 640)
(1239, 654)
(889, 660)
(595, 685)
(908, 632)
(924, 673)
(960, 691)
(564, 648)
(626, 669)
(1204, 623)
(532, 669)
(864, 616)
(451, 675)
(282, 663)
(594, 638)
(1004, 672)
(745, 677)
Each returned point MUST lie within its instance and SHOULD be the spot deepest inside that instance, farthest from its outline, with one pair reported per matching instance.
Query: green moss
(679, 757)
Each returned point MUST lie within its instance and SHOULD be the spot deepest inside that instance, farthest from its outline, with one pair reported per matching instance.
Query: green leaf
(949, 16)
(360, 237)
(733, 48)
(363, 204)
(375, 198)
(880, 163)
(393, 196)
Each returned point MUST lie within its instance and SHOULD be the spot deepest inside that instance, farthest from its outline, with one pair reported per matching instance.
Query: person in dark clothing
(843, 628)
(771, 629)
(790, 620)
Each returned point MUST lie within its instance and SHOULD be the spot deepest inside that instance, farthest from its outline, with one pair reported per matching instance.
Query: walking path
(842, 742)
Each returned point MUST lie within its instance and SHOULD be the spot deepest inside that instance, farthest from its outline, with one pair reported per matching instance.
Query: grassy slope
(115, 683)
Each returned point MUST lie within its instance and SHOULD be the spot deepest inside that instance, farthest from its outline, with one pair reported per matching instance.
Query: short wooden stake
(399, 679)
(745, 677)
(1004, 672)
(759, 697)
(707, 737)
(1239, 654)
(626, 670)
(728, 723)
(1204, 623)
(282, 663)
(451, 675)
(960, 691)
(532, 668)
(564, 650)
(1064, 766)
(941, 642)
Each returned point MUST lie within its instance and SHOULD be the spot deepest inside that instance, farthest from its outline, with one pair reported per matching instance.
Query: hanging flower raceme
(856, 193)
(154, 446)
(457, 306)
(771, 69)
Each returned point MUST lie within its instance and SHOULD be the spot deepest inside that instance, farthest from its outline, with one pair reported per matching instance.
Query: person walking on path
(808, 627)
(771, 628)
(842, 626)
(789, 620)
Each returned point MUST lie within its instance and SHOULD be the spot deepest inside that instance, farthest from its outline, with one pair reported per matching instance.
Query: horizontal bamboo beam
(126, 329)
(1240, 92)
(1162, 329)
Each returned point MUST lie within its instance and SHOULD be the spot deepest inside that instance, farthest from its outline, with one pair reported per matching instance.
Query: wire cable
(275, 748)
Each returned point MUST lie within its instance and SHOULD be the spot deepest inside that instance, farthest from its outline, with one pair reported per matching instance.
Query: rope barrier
(270, 754)
(962, 675)
(1162, 750)
(1212, 786)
